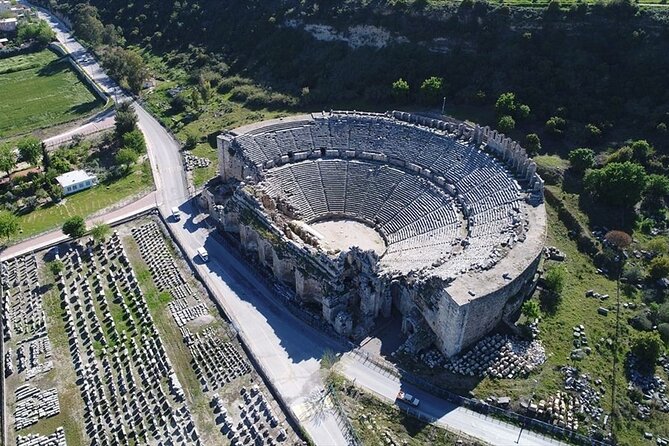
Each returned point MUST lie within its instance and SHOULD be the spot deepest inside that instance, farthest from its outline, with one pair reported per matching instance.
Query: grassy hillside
(549, 57)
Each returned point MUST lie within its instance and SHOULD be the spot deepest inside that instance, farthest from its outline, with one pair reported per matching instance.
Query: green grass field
(87, 202)
(204, 174)
(40, 90)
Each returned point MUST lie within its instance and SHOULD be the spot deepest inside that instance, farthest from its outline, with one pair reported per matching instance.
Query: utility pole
(443, 105)
(619, 240)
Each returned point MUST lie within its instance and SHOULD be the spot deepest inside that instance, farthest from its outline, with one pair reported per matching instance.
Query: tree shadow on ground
(549, 301)
(610, 217)
(412, 425)
(572, 182)
(52, 68)
(85, 108)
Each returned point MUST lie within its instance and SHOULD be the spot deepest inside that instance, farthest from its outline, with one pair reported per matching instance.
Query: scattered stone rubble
(652, 387)
(33, 405)
(194, 162)
(34, 357)
(499, 356)
(553, 253)
(55, 439)
(581, 400)
(581, 348)
(24, 325)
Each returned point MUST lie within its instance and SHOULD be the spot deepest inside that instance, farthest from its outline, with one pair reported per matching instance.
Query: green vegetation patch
(41, 90)
(203, 174)
(87, 202)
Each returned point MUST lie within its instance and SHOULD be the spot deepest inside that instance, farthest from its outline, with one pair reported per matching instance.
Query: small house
(76, 181)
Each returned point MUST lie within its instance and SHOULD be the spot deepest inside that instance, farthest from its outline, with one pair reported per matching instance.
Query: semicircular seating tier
(491, 199)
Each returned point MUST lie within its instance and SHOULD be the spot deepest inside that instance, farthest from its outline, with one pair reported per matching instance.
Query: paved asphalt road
(101, 121)
(448, 415)
(288, 350)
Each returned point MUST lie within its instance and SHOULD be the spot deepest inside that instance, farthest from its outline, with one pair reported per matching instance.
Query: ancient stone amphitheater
(366, 216)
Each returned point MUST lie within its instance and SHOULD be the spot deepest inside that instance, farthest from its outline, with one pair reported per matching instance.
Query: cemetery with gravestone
(128, 385)
(243, 409)
(366, 215)
(27, 353)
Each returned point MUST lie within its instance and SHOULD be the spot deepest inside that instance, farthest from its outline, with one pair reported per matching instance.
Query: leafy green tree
(532, 144)
(659, 267)
(9, 224)
(400, 90)
(126, 119)
(506, 104)
(100, 231)
(593, 132)
(7, 158)
(531, 310)
(642, 151)
(30, 149)
(432, 88)
(74, 227)
(38, 31)
(555, 279)
(582, 159)
(647, 346)
(87, 25)
(134, 140)
(191, 141)
(56, 266)
(126, 157)
(617, 184)
(556, 126)
(125, 66)
(657, 185)
(506, 124)
(523, 111)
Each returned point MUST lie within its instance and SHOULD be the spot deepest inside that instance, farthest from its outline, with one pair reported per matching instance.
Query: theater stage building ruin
(365, 214)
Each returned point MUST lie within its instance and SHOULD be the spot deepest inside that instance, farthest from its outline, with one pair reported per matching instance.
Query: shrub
(663, 330)
(555, 279)
(74, 227)
(617, 184)
(647, 347)
(56, 266)
(506, 104)
(506, 124)
(432, 88)
(641, 322)
(531, 310)
(633, 273)
(659, 267)
(582, 159)
(556, 126)
(532, 144)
